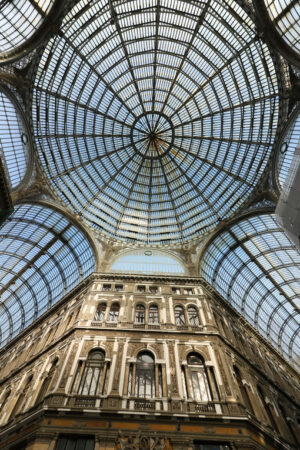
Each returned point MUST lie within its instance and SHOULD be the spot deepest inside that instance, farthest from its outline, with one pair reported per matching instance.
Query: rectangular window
(106, 287)
(211, 446)
(153, 289)
(176, 290)
(119, 287)
(188, 291)
(141, 288)
(75, 443)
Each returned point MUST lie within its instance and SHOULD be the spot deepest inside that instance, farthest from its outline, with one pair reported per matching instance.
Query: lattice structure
(155, 123)
(257, 269)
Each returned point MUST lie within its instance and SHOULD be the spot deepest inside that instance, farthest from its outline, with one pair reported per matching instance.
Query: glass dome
(42, 257)
(155, 123)
(256, 268)
(19, 20)
(14, 148)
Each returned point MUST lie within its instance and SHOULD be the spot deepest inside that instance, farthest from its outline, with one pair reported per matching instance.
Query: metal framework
(14, 138)
(147, 261)
(129, 108)
(19, 20)
(42, 257)
(257, 269)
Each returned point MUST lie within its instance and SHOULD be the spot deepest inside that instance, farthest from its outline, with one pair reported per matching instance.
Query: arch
(140, 313)
(193, 315)
(268, 409)
(114, 312)
(153, 314)
(94, 374)
(47, 381)
(148, 261)
(179, 315)
(38, 246)
(100, 312)
(243, 389)
(254, 265)
(145, 375)
(196, 380)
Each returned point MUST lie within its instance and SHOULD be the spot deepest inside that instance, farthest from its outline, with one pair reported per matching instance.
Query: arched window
(285, 417)
(47, 381)
(153, 314)
(193, 316)
(243, 389)
(140, 314)
(197, 384)
(95, 373)
(4, 399)
(114, 312)
(22, 396)
(100, 312)
(145, 375)
(179, 315)
(268, 408)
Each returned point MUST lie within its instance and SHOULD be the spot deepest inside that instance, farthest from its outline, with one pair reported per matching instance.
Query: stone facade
(252, 399)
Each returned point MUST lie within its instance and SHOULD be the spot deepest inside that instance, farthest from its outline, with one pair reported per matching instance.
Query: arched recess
(23, 24)
(15, 140)
(256, 268)
(148, 261)
(42, 257)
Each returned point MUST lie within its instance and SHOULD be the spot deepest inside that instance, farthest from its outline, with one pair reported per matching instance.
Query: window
(243, 389)
(179, 315)
(100, 312)
(193, 316)
(75, 443)
(176, 290)
(94, 374)
(106, 287)
(153, 289)
(119, 287)
(140, 314)
(145, 375)
(22, 397)
(188, 291)
(4, 399)
(141, 288)
(268, 408)
(197, 384)
(153, 314)
(210, 446)
(47, 381)
(114, 312)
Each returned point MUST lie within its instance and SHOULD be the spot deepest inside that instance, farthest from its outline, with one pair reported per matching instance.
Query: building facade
(134, 362)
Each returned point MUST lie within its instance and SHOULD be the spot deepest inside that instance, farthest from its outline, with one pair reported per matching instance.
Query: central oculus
(152, 135)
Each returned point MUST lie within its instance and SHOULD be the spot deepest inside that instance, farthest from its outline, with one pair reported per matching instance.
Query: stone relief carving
(140, 441)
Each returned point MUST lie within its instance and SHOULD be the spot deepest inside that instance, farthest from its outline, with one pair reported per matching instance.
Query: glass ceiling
(148, 261)
(285, 14)
(289, 153)
(155, 123)
(256, 268)
(13, 140)
(42, 257)
(19, 19)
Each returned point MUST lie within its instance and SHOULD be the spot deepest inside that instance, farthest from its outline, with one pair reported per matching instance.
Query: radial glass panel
(285, 14)
(13, 140)
(42, 257)
(257, 269)
(19, 19)
(155, 120)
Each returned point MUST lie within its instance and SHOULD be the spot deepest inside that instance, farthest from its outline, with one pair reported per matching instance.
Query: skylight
(154, 123)
(148, 261)
(256, 268)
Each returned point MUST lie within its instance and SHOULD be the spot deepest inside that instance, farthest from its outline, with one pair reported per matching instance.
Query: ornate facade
(146, 362)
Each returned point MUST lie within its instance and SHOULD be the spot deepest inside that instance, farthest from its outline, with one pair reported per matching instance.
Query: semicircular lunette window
(155, 122)
(42, 257)
(289, 154)
(256, 268)
(14, 147)
(148, 261)
(285, 14)
(19, 20)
